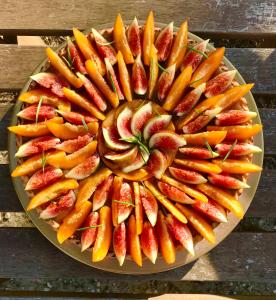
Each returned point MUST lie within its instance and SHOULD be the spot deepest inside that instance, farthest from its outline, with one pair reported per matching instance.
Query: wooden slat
(239, 16)
(256, 65)
(231, 260)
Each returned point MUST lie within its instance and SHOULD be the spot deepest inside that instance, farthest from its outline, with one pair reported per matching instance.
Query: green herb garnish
(195, 81)
(163, 69)
(88, 227)
(230, 150)
(124, 202)
(84, 124)
(104, 44)
(112, 83)
(209, 148)
(142, 103)
(38, 109)
(197, 51)
(43, 161)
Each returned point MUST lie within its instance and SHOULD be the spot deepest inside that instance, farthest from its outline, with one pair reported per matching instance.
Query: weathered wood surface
(256, 65)
(242, 256)
(243, 17)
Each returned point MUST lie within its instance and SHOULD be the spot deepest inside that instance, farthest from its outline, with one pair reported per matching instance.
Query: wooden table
(245, 263)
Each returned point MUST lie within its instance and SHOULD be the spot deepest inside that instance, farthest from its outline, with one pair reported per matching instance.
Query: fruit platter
(136, 148)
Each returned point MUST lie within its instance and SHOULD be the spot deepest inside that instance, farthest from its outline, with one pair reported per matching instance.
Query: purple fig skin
(234, 117)
(187, 176)
(134, 38)
(237, 150)
(101, 194)
(120, 243)
(227, 182)
(197, 153)
(113, 79)
(88, 235)
(139, 77)
(164, 41)
(149, 204)
(76, 58)
(165, 82)
(45, 112)
(157, 163)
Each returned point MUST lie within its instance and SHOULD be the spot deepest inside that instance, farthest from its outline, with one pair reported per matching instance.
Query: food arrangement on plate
(135, 141)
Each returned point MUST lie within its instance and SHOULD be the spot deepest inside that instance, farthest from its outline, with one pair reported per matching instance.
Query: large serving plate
(110, 263)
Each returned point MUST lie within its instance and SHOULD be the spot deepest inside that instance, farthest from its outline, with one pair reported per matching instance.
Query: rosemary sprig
(197, 51)
(230, 150)
(195, 81)
(88, 227)
(142, 103)
(43, 161)
(112, 83)
(124, 202)
(162, 69)
(84, 124)
(104, 44)
(209, 148)
(38, 109)
(197, 111)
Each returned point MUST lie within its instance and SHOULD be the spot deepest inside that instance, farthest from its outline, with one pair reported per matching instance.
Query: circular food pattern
(135, 141)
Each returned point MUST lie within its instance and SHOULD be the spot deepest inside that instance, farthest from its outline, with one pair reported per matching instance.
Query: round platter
(110, 263)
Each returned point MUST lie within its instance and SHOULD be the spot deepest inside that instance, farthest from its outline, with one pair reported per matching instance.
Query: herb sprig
(230, 150)
(104, 44)
(84, 124)
(124, 202)
(88, 227)
(43, 161)
(38, 109)
(163, 69)
(197, 51)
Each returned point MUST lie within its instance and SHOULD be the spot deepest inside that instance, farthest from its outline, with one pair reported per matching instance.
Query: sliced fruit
(134, 242)
(140, 117)
(73, 145)
(61, 207)
(233, 95)
(166, 203)
(68, 131)
(211, 210)
(157, 163)
(76, 118)
(189, 101)
(199, 165)
(239, 132)
(94, 94)
(73, 221)
(187, 176)
(153, 71)
(104, 47)
(155, 124)
(181, 233)
(51, 192)
(88, 51)
(164, 41)
(61, 66)
(165, 239)
(124, 77)
(227, 182)
(100, 82)
(116, 191)
(199, 223)
(51, 81)
(165, 82)
(139, 77)
(74, 57)
(223, 198)
(149, 243)
(207, 68)
(133, 37)
(32, 112)
(148, 38)
(212, 137)
(184, 188)
(220, 83)
(84, 169)
(138, 208)
(195, 56)
(238, 149)
(199, 109)
(37, 145)
(100, 196)
(120, 242)
(34, 130)
(198, 153)
(123, 158)
(177, 89)
(149, 204)
(174, 193)
(43, 177)
(165, 139)
(140, 160)
(123, 123)
(104, 235)
(82, 102)
(112, 139)
(124, 209)
(121, 43)
(112, 78)
(35, 163)
(34, 96)
(89, 234)
(90, 185)
(234, 117)
(179, 46)
(234, 166)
